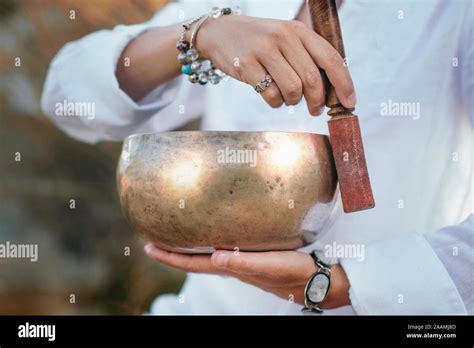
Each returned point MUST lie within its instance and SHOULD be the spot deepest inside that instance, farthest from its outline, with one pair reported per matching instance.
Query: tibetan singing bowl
(194, 192)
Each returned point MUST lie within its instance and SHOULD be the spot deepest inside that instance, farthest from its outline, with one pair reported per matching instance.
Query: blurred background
(82, 251)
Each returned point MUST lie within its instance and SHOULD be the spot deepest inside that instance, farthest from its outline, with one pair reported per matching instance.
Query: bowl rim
(139, 135)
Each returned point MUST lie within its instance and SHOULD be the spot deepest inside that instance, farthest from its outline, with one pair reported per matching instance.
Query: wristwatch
(317, 287)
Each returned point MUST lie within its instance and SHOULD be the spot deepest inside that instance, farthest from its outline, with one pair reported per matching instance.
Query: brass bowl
(194, 192)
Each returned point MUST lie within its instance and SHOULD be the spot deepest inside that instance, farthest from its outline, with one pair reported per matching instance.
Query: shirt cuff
(116, 113)
(401, 276)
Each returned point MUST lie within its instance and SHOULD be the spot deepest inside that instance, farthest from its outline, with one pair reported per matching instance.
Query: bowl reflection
(195, 192)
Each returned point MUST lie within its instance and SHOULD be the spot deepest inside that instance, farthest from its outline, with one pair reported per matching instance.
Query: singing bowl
(197, 191)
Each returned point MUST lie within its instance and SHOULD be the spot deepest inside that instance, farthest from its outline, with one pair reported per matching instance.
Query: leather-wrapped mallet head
(344, 130)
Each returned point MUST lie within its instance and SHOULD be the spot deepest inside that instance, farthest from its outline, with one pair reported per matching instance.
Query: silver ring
(263, 84)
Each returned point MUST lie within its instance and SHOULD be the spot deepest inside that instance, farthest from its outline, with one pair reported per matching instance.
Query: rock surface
(82, 250)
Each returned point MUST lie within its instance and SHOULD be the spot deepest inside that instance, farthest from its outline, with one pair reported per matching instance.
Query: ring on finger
(263, 84)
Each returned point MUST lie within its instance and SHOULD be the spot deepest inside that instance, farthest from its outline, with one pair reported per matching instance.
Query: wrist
(202, 40)
(207, 36)
(338, 294)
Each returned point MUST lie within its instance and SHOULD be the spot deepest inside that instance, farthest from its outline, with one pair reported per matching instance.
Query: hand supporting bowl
(194, 192)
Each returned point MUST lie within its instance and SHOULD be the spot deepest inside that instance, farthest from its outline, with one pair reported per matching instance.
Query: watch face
(318, 288)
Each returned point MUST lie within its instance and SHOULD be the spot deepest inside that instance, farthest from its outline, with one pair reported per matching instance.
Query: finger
(252, 74)
(308, 71)
(187, 263)
(327, 58)
(274, 265)
(239, 263)
(284, 76)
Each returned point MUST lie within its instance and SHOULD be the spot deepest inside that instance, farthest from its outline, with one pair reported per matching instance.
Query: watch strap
(319, 262)
(310, 307)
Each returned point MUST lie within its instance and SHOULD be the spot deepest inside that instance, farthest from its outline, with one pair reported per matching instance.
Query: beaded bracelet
(198, 71)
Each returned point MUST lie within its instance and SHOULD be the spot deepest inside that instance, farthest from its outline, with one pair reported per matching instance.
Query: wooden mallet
(344, 130)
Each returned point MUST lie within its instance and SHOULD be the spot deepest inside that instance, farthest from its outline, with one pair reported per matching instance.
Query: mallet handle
(344, 130)
(326, 23)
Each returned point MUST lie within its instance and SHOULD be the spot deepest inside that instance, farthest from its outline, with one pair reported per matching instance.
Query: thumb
(241, 263)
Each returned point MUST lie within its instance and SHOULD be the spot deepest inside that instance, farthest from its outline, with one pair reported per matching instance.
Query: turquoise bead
(186, 69)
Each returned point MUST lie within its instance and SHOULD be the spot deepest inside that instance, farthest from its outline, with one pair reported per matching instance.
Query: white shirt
(418, 251)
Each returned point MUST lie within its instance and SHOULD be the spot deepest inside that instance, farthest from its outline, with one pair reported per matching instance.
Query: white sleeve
(466, 63)
(416, 274)
(454, 246)
(83, 73)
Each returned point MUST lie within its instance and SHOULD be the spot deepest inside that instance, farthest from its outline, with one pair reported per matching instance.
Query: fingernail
(221, 259)
(318, 112)
(352, 100)
(148, 248)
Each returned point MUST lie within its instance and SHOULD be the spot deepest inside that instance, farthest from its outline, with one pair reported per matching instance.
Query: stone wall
(82, 250)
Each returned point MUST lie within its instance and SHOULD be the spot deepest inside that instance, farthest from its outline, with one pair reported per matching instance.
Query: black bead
(182, 45)
(226, 10)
